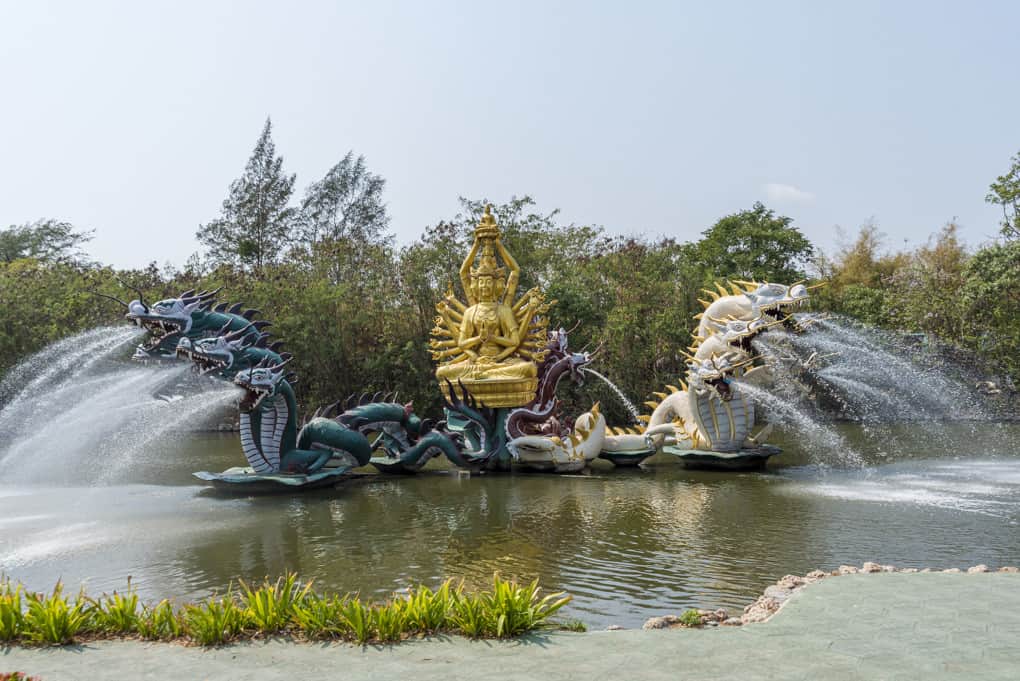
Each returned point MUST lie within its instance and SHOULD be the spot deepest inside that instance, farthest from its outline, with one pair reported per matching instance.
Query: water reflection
(626, 544)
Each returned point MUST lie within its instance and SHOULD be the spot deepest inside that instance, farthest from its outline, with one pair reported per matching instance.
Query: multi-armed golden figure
(491, 345)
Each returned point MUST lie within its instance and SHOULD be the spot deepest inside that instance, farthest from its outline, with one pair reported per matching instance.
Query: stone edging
(776, 595)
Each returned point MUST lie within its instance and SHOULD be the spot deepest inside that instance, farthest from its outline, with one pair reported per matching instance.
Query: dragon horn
(103, 295)
(818, 285)
(141, 298)
(277, 367)
(240, 333)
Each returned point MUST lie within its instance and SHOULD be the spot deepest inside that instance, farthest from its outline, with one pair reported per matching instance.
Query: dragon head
(739, 332)
(772, 299)
(228, 353)
(557, 351)
(167, 320)
(716, 372)
(260, 382)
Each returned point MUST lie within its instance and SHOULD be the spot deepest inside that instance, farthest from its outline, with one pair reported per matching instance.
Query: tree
(49, 241)
(755, 244)
(990, 300)
(256, 220)
(343, 218)
(346, 204)
(1005, 192)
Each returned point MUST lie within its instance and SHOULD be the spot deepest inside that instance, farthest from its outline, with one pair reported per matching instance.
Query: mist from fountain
(627, 404)
(825, 445)
(880, 385)
(87, 415)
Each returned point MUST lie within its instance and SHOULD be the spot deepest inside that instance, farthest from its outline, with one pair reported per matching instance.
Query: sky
(647, 118)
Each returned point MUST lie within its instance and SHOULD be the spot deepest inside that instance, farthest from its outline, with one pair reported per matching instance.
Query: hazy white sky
(644, 117)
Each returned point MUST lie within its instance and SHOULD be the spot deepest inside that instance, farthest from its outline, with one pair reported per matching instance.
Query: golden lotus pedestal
(495, 392)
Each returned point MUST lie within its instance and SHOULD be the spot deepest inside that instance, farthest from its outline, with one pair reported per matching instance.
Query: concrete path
(874, 627)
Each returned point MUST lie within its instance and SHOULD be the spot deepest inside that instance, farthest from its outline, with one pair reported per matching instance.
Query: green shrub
(216, 621)
(270, 607)
(427, 610)
(390, 620)
(469, 616)
(53, 619)
(319, 616)
(160, 623)
(690, 618)
(11, 616)
(117, 614)
(357, 620)
(513, 609)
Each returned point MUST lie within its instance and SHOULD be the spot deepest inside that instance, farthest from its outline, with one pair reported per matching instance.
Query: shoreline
(870, 624)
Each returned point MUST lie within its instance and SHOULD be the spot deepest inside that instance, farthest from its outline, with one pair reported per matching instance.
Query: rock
(1009, 568)
(664, 622)
(614, 627)
(847, 570)
(952, 571)
(871, 567)
(888, 568)
(733, 622)
(976, 569)
(778, 593)
(926, 570)
(816, 575)
(791, 582)
(908, 570)
(760, 610)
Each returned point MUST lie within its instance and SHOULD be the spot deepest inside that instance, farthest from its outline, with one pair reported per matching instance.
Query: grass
(285, 606)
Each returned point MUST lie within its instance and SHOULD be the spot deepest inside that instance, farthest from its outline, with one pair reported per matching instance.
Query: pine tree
(345, 204)
(256, 220)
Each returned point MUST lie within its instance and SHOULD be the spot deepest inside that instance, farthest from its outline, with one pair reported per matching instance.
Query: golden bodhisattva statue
(492, 345)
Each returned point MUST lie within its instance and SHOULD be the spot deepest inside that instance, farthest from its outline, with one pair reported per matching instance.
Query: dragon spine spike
(737, 291)
(699, 315)
(222, 307)
(661, 396)
(722, 289)
(187, 294)
(276, 346)
(652, 405)
(818, 285)
(261, 324)
(704, 303)
(235, 308)
(712, 294)
(673, 388)
(644, 418)
(249, 314)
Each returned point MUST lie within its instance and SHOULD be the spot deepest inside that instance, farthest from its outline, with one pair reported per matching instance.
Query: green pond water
(627, 544)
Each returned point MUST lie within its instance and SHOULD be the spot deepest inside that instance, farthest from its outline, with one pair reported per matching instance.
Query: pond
(626, 544)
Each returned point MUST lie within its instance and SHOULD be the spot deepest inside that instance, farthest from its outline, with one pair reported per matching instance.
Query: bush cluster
(285, 606)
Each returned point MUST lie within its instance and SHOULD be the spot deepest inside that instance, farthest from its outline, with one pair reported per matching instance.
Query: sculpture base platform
(542, 462)
(626, 459)
(742, 460)
(244, 480)
(497, 392)
(392, 466)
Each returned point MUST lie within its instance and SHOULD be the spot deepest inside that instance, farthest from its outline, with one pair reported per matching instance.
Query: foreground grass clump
(282, 607)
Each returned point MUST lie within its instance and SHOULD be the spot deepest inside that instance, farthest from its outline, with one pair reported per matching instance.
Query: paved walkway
(874, 627)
